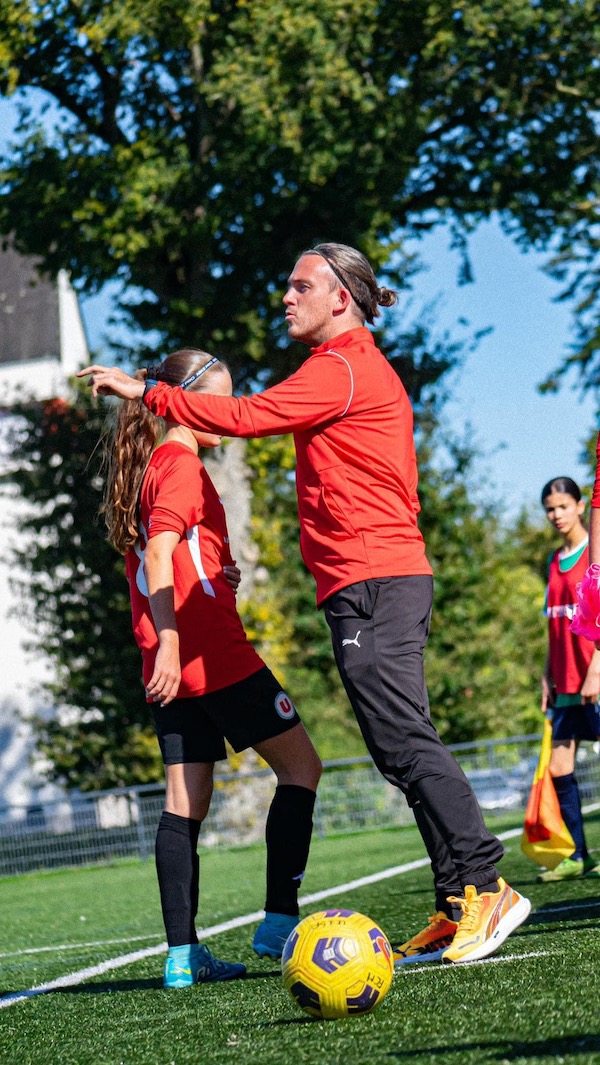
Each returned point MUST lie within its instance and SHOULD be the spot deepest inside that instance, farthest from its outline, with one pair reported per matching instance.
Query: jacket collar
(360, 334)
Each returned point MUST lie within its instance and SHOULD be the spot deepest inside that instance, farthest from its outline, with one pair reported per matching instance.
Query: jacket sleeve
(596, 492)
(319, 391)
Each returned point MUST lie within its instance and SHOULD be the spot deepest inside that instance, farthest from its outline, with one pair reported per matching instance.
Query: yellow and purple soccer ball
(337, 963)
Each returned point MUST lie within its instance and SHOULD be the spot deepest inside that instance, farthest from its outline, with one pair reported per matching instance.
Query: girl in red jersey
(203, 679)
(571, 680)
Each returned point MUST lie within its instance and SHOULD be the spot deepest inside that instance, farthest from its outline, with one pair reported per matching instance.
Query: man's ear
(343, 300)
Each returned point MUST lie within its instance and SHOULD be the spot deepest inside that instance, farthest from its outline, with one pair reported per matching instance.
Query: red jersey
(570, 655)
(178, 496)
(356, 473)
(596, 492)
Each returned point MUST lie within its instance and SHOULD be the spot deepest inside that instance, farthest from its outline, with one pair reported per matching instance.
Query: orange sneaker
(428, 945)
(487, 920)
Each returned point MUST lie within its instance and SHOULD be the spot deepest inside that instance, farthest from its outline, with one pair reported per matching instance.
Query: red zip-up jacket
(356, 473)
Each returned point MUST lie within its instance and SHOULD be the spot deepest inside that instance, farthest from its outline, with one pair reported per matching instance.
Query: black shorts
(576, 722)
(246, 713)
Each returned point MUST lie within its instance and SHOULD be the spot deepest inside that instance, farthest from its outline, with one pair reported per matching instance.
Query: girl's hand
(110, 381)
(233, 575)
(590, 691)
(546, 694)
(165, 680)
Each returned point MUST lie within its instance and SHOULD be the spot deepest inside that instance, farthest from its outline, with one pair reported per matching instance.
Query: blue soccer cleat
(271, 934)
(193, 963)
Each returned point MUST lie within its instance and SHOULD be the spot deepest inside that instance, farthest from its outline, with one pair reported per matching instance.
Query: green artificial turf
(534, 1002)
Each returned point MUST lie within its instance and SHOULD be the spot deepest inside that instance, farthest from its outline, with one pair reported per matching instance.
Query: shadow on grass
(149, 984)
(153, 983)
(287, 1022)
(566, 912)
(563, 1047)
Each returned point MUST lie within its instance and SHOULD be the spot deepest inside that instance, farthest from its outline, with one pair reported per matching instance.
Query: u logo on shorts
(284, 706)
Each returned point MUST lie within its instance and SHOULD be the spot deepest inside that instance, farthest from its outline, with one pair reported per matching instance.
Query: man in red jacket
(356, 481)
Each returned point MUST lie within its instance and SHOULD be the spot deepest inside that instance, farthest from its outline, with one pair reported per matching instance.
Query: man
(356, 481)
(595, 514)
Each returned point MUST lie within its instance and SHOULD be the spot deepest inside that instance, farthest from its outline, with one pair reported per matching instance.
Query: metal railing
(121, 823)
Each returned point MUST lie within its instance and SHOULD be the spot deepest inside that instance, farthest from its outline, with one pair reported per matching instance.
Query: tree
(199, 146)
(487, 644)
(195, 149)
(76, 601)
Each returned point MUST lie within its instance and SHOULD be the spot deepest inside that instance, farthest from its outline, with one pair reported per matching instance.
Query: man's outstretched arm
(319, 391)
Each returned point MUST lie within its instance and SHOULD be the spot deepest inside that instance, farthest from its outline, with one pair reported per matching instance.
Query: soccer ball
(337, 963)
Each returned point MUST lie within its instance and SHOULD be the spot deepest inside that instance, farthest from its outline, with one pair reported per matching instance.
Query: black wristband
(150, 383)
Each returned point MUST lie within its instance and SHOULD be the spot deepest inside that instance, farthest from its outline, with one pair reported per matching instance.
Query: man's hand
(590, 690)
(233, 576)
(110, 381)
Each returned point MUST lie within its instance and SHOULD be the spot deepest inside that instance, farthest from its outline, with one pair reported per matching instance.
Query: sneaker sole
(221, 979)
(420, 959)
(511, 920)
(177, 985)
(268, 952)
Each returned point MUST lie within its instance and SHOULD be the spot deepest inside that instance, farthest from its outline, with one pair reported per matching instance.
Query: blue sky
(525, 438)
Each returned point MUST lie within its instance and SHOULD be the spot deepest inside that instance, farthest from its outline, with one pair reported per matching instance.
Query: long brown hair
(135, 433)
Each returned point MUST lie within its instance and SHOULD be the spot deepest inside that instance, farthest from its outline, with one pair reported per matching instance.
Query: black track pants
(379, 629)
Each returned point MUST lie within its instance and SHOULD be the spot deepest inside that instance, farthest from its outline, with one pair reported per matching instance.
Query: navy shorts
(576, 722)
(245, 713)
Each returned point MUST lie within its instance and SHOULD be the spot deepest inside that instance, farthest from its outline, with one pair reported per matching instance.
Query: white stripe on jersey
(330, 351)
(193, 540)
(140, 576)
(562, 610)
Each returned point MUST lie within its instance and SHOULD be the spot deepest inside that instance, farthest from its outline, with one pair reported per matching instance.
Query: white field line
(78, 977)
(572, 906)
(59, 947)
(495, 959)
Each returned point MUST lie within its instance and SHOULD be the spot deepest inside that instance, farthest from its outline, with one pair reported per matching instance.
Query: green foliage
(487, 644)
(199, 146)
(534, 1004)
(76, 602)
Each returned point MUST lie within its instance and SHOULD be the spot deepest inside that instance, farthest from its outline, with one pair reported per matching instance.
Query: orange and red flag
(546, 839)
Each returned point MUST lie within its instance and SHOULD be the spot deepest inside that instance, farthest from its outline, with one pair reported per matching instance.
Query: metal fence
(121, 823)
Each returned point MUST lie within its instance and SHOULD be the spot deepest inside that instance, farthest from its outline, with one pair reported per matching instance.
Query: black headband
(366, 311)
(153, 373)
(194, 376)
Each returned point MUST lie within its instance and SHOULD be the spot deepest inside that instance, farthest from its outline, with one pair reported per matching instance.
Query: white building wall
(22, 781)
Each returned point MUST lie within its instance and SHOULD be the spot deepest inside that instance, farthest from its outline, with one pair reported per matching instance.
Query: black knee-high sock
(178, 869)
(288, 832)
(570, 807)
